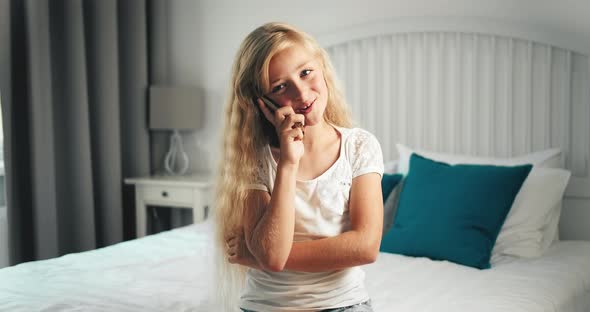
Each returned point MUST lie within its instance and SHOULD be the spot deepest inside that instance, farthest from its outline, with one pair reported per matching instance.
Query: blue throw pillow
(453, 213)
(388, 183)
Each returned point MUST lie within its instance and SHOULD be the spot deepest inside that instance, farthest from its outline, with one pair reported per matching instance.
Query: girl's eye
(305, 72)
(277, 88)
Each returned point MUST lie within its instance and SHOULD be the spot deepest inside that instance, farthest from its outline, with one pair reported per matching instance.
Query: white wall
(205, 34)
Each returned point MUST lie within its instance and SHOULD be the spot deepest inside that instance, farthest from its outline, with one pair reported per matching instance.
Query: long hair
(247, 132)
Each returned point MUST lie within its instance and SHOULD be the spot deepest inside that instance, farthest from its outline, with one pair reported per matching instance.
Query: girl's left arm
(356, 247)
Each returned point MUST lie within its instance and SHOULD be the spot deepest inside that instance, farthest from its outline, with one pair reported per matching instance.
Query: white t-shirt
(321, 210)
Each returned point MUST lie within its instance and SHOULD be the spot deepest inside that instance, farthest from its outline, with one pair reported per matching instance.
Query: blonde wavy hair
(247, 132)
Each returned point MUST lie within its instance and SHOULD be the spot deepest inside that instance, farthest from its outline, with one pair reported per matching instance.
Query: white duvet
(558, 281)
(173, 271)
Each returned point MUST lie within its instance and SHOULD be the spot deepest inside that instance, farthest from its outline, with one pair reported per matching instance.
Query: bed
(460, 86)
(172, 271)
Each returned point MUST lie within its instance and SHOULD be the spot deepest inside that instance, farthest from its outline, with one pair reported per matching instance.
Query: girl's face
(297, 80)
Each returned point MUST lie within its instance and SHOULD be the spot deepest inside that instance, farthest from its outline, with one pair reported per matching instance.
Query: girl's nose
(299, 90)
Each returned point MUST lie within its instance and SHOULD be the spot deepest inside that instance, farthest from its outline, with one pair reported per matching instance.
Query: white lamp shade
(175, 108)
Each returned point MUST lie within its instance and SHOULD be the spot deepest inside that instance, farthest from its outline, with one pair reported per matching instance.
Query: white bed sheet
(173, 271)
(558, 281)
(170, 271)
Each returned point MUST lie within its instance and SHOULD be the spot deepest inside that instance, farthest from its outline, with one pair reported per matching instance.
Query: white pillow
(390, 167)
(535, 212)
(550, 158)
(527, 224)
(551, 231)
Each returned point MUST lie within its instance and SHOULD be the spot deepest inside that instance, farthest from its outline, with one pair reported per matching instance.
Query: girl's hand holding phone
(289, 127)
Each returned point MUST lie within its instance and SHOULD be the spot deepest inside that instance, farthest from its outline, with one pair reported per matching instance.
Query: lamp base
(176, 152)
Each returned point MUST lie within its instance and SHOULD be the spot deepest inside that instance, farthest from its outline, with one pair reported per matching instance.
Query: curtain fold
(75, 125)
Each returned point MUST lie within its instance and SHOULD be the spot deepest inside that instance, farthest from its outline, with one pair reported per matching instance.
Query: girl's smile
(305, 109)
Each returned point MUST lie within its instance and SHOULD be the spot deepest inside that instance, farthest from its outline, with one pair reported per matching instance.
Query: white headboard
(473, 86)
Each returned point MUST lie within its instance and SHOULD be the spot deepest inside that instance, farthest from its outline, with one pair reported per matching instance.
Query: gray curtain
(73, 85)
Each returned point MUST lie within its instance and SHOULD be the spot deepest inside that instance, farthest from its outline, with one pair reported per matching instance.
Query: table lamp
(175, 108)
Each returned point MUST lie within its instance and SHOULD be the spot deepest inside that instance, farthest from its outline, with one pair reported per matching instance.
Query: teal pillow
(453, 213)
(388, 183)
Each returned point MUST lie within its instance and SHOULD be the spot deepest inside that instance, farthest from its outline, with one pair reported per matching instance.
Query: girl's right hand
(290, 135)
(237, 251)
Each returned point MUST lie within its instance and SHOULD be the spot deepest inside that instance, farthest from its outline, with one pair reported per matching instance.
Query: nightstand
(190, 192)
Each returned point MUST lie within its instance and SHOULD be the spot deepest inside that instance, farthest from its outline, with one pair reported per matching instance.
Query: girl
(298, 201)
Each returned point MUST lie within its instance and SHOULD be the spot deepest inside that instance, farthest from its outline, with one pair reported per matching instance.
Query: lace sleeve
(366, 153)
(260, 180)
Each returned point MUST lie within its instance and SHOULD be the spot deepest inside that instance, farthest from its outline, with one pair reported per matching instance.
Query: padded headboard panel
(472, 86)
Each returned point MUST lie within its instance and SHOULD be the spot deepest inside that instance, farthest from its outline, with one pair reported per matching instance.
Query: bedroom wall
(204, 35)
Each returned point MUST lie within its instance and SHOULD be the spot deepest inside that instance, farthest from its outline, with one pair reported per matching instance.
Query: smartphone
(269, 103)
(272, 106)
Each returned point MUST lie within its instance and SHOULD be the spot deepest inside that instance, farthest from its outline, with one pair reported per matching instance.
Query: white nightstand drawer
(191, 192)
(168, 194)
